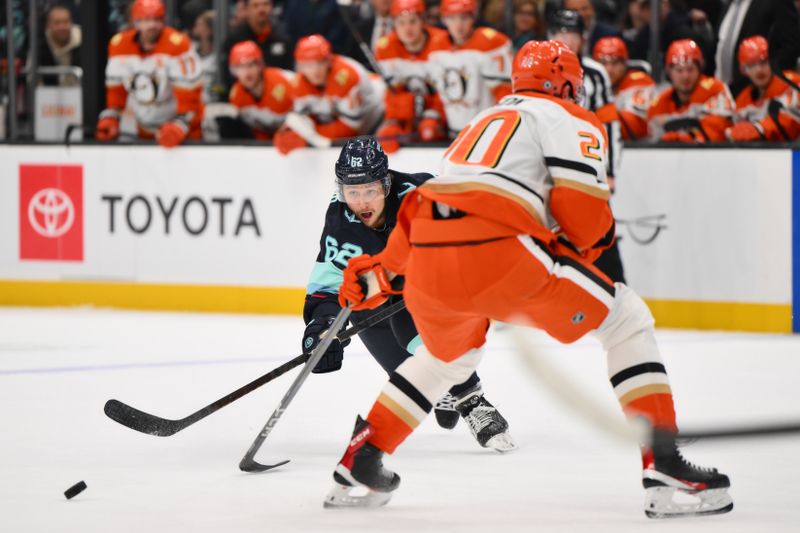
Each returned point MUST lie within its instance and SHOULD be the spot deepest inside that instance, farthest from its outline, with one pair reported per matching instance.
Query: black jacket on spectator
(307, 17)
(47, 59)
(777, 20)
(278, 49)
(676, 26)
(600, 30)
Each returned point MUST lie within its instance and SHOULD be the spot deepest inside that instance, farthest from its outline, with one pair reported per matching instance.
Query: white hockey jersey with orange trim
(471, 77)
(164, 83)
(754, 107)
(531, 165)
(348, 104)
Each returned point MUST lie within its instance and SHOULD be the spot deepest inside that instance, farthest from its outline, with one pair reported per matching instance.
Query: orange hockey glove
(430, 130)
(172, 133)
(286, 140)
(744, 132)
(399, 106)
(365, 284)
(677, 137)
(388, 136)
(107, 129)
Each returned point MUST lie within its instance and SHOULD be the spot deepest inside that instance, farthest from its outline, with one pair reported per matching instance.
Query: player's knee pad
(629, 316)
(432, 376)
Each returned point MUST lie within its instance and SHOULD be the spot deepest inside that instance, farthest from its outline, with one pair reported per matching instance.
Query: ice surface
(58, 367)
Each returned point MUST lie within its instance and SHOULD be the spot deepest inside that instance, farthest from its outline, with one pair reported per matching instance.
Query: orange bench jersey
(710, 104)
(347, 105)
(266, 114)
(409, 72)
(471, 77)
(164, 83)
(632, 99)
(755, 108)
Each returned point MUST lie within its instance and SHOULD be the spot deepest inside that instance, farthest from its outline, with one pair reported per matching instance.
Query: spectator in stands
(309, 17)
(61, 45)
(768, 109)
(413, 108)
(158, 67)
(777, 20)
(275, 45)
(203, 35)
(263, 95)
(334, 92)
(633, 89)
(696, 108)
(594, 30)
(433, 13)
(372, 29)
(528, 25)
(676, 24)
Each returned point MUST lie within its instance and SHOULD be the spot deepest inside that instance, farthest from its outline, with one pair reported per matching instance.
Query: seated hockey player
(263, 95)
(470, 65)
(696, 108)
(508, 231)
(768, 109)
(412, 107)
(633, 89)
(158, 66)
(360, 220)
(334, 91)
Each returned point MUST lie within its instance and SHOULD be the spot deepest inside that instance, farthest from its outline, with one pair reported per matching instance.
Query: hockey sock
(635, 367)
(412, 390)
(461, 388)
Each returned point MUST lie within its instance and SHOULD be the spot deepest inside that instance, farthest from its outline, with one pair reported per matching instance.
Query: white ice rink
(58, 367)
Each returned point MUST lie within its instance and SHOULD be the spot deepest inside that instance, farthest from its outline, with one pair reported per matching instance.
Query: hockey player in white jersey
(598, 97)
(471, 66)
(508, 231)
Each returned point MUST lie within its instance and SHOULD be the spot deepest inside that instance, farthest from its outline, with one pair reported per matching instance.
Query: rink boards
(710, 237)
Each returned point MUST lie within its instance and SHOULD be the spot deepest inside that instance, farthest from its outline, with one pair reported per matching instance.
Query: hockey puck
(75, 489)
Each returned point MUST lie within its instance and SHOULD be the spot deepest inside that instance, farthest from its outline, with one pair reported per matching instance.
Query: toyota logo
(51, 213)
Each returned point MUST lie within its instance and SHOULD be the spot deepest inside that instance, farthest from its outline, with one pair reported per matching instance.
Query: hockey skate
(361, 470)
(668, 475)
(445, 412)
(485, 422)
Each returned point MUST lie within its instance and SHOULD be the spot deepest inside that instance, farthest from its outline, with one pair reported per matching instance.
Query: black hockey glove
(332, 359)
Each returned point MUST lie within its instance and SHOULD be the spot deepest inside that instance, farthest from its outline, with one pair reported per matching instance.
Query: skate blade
(660, 502)
(342, 497)
(502, 442)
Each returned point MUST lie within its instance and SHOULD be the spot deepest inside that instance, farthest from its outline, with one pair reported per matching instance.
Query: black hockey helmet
(362, 160)
(566, 20)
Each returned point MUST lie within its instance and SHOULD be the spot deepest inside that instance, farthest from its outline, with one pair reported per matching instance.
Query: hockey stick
(612, 423)
(248, 463)
(163, 427)
(362, 45)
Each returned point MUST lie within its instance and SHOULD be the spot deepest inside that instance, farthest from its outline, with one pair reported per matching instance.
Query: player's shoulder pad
(235, 94)
(343, 75)
(387, 47)
(710, 86)
(123, 43)
(276, 82)
(439, 39)
(792, 75)
(173, 42)
(487, 39)
(661, 101)
(637, 78)
(745, 97)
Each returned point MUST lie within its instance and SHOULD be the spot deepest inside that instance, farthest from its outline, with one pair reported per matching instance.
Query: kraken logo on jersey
(455, 85)
(145, 87)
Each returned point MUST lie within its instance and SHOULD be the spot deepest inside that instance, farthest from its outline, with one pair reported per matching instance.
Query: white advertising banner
(696, 225)
(195, 215)
(707, 225)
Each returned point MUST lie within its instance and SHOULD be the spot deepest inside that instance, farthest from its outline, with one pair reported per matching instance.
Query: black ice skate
(485, 422)
(361, 468)
(667, 474)
(445, 411)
